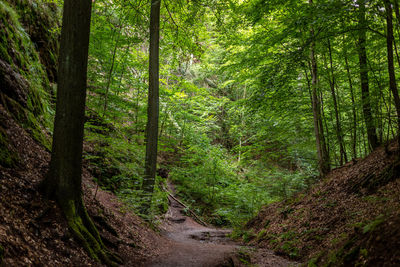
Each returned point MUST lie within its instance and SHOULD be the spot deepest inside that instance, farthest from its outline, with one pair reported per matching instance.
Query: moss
(85, 232)
(18, 50)
(41, 20)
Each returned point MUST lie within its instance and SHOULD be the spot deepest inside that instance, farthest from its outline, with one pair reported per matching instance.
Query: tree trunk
(153, 106)
(392, 76)
(397, 23)
(396, 10)
(324, 127)
(353, 108)
(339, 132)
(323, 158)
(365, 96)
(63, 181)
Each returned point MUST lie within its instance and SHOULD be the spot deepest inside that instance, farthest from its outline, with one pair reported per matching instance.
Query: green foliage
(115, 160)
(236, 127)
(207, 176)
(202, 120)
(159, 204)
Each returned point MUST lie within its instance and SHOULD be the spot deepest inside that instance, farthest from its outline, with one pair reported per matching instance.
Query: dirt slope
(344, 220)
(33, 231)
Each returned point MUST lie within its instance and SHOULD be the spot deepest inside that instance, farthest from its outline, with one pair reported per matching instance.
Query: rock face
(28, 55)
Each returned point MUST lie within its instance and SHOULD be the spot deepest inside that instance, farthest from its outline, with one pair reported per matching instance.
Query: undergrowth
(226, 192)
(115, 159)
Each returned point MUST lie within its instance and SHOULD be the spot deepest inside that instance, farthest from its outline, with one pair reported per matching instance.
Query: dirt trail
(192, 244)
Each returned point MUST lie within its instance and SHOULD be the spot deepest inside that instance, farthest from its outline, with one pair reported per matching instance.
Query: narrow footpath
(194, 245)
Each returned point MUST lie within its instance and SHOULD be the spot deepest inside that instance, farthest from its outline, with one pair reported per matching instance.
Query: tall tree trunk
(397, 23)
(392, 76)
(353, 108)
(324, 127)
(365, 96)
(153, 106)
(64, 179)
(323, 158)
(379, 109)
(339, 132)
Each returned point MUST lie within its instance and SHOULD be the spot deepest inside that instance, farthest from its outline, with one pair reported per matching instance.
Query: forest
(199, 133)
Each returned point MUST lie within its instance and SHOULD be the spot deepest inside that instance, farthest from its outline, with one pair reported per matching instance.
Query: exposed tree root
(104, 224)
(86, 233)
(79, 221)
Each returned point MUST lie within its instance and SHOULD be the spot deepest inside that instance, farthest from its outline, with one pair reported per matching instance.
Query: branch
(170, 15)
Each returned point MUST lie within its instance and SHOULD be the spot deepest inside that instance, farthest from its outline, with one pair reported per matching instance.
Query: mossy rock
(41, 20)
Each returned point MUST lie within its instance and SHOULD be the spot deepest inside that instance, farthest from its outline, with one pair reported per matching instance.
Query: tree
(365, 95)
(64, 179)
(339, 132)
(389, 43)
(323, 157)
(353, 107)
(153, 105)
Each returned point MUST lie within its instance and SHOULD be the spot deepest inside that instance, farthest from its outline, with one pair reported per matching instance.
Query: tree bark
(323, 158)
(353, 108)
(339, 132)
(365, 96)
(392, 76)
(153, 106)
(64, 179)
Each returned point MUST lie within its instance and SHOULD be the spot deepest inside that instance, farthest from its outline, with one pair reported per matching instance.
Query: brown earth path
(194, 245)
